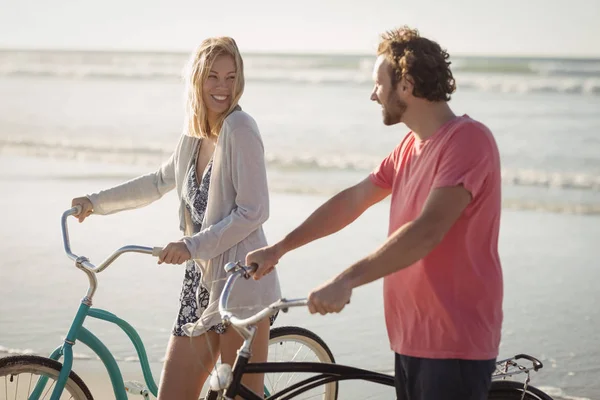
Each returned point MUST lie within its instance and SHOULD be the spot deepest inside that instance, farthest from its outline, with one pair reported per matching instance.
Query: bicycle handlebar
(237, 270)
(154, 251)
(537, 364)
(85, 265)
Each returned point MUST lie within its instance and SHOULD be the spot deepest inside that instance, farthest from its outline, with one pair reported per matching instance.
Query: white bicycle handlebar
(237, 270)
(85, 265)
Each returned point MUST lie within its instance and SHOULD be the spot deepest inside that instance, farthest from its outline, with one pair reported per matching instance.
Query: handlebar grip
(156, 251)
(537, 364)
(252, 268)
(76, 210)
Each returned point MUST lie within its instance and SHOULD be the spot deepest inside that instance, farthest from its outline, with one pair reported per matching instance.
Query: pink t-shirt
(448, 304)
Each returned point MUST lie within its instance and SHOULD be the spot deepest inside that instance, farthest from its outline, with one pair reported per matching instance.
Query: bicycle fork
(65, 351)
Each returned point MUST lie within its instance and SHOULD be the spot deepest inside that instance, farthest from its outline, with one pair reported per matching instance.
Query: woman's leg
(231, 341)
(188, 363)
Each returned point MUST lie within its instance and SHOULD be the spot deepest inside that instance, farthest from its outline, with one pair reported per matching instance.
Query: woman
(218, 169)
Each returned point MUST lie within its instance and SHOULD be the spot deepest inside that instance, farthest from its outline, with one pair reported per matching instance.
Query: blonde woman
(218, 169)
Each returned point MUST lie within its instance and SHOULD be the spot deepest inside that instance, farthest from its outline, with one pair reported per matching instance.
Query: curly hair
(421, 60)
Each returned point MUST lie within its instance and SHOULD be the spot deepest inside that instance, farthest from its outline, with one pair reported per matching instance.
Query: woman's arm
(137, 192)
(245, 152)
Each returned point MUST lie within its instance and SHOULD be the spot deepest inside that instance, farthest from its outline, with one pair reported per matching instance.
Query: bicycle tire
(15, 365)
(312, 341)
(512, 390)
(283, 331)
(306, 338)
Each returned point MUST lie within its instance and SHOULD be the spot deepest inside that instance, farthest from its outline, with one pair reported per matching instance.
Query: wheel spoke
(29, 388)
(17, 388)
(49, 389)
(313, 396)
(281, 377)
(269, 379)
(304, 359)
(300, 353)
(293, 344)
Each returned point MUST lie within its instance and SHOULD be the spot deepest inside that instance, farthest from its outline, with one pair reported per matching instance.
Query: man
(442, 275)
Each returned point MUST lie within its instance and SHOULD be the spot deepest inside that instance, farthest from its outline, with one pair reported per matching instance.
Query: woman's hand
(86, 207)
(174, 253)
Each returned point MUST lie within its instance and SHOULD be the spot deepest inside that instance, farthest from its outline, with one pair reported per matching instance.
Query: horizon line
(280, 52)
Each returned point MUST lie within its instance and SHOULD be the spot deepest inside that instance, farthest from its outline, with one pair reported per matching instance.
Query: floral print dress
(194, 297)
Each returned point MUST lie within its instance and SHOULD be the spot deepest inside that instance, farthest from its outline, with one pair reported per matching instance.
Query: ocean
(75, 122)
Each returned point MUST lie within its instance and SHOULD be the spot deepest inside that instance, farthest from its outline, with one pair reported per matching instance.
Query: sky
(464, 27)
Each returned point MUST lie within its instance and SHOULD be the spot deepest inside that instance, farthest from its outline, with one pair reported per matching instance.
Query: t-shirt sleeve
(467, 159)
(383, 175)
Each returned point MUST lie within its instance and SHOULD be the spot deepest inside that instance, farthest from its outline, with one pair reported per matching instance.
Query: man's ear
(406, 85)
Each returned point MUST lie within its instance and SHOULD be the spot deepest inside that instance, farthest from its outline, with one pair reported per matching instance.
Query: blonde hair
(201, 62)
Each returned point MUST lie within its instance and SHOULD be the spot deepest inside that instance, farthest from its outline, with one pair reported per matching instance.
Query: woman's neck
(212, 119)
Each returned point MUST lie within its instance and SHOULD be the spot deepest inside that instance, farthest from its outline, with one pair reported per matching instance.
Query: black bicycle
(225, 383)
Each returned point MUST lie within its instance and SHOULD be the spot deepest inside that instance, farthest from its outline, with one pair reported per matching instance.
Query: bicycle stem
(245, 327)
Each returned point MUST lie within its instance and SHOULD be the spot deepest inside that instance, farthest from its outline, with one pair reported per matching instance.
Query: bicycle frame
(78, 332)
(327, 372)
(335, 372)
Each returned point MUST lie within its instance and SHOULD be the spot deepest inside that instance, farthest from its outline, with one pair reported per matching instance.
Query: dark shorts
(442, 379)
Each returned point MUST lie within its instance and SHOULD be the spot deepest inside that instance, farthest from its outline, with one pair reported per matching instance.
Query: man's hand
(266, 258)
(174, 253)
(330, 297)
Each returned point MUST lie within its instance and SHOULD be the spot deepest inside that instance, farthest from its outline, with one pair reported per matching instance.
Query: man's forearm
(333, 215)
(406, 246)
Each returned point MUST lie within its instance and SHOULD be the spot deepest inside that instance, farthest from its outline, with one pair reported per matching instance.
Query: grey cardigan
(238, 205)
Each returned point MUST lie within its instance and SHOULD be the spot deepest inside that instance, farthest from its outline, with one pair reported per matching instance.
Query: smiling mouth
(219, 98)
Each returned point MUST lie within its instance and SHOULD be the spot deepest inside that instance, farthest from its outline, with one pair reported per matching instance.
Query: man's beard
(394, 110)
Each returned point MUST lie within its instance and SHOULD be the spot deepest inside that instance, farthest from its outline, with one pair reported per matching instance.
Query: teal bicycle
(34, 377)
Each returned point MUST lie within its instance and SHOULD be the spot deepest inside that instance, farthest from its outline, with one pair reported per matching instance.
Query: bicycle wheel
(17, 378)
(292, 343)
(512, 390)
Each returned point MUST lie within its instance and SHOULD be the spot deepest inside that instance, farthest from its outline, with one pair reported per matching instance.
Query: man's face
(393, 107)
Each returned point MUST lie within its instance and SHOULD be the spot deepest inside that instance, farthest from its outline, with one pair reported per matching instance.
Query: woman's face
(217, 90)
